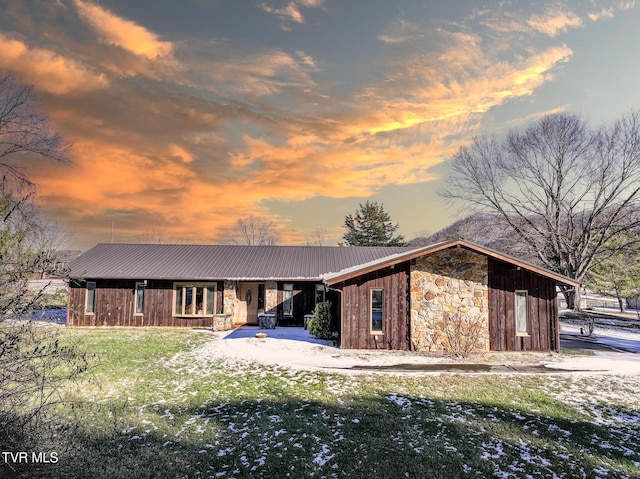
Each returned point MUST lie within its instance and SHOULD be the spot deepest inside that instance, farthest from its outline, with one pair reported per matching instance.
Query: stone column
(271, 297)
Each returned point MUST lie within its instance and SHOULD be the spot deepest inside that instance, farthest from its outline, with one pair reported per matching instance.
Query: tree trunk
(620, 302)
(578, 300)
(569, 297)
(573, 297)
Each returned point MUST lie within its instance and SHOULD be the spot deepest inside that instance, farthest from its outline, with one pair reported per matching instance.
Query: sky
(187, 116)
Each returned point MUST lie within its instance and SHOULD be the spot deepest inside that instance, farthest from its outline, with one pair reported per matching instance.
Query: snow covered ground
(615, 337)
(516, 438)
(296, 348)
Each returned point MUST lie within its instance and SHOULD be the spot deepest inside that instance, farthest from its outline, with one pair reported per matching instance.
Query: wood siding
(355, 325)
(504, 280)
(115, 305)
(304, 302)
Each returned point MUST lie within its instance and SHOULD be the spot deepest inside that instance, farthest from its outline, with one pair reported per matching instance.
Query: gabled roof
(400, 257)
(331, 264)
(218, 262)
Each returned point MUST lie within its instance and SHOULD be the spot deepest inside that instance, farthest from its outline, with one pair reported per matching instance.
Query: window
(376, 311)
(194, 299)
(139, 298)
(320, 293)
(90, 305)
(522, 316)
(287, 303)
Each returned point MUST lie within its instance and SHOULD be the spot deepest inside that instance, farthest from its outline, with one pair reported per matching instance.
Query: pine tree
(371, 226)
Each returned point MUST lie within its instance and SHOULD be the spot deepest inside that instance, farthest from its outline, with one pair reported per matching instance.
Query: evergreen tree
(371, 226)
(619, 274)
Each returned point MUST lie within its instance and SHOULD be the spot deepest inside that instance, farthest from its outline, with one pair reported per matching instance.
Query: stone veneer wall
(271, 296)
(443, 284)
(230, 296)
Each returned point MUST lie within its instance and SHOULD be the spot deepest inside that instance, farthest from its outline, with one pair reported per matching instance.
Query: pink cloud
(123, 33)
(50, 71)
(554, 22)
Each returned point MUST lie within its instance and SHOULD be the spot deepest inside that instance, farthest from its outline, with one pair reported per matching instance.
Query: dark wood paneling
(355, 328)
(504, 280)
(76, 304)
(304, 302)
(115, 305)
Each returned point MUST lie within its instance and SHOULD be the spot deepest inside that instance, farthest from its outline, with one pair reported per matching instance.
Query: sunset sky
(186, 116)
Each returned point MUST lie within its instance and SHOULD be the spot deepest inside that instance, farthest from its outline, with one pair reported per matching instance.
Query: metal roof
(357, 270)
(216, 262)
(331, 264)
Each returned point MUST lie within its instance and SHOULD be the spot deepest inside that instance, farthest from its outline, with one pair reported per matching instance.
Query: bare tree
(563, 189)
(34, 366)
(24, 132)
(253, 231)
(318, 236)
(51, 240)
(155, 236)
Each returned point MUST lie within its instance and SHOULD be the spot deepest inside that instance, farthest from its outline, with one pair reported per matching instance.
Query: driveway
(295, 348)
(599, 342)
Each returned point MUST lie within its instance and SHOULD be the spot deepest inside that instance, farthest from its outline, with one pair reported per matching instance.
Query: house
(187, 285)
(383, 297)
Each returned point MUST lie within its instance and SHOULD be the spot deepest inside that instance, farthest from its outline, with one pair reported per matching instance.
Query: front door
(249, 302)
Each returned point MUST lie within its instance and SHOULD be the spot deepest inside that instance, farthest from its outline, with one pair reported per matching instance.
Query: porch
(292, 333)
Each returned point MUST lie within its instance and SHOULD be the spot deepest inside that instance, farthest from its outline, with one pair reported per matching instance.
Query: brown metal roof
(332, 264)
(215, 262)
(400, 257)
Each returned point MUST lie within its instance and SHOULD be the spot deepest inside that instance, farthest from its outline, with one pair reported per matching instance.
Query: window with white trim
(287, 300)
(140, 298)
(194, 299)
(521, 313)
(90, 303)
(376, 310)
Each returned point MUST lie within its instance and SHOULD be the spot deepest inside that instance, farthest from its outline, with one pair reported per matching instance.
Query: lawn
(152, 407)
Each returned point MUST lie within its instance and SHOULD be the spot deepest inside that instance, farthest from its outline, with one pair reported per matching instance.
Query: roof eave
(85, 277)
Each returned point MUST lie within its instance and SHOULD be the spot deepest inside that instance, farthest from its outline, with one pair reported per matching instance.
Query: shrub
(320, 325)
(59, 299)
(464, 334)
(36, 370)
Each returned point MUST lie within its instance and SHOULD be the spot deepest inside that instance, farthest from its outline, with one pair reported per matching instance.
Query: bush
(465, 334)
(59, 299)
(320, 325)
(36, 369)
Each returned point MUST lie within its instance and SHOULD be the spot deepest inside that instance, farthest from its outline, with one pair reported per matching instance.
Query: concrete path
(289, 332)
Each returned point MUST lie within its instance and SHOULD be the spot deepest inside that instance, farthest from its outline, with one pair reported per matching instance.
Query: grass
(152, 406)
(577, 352)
